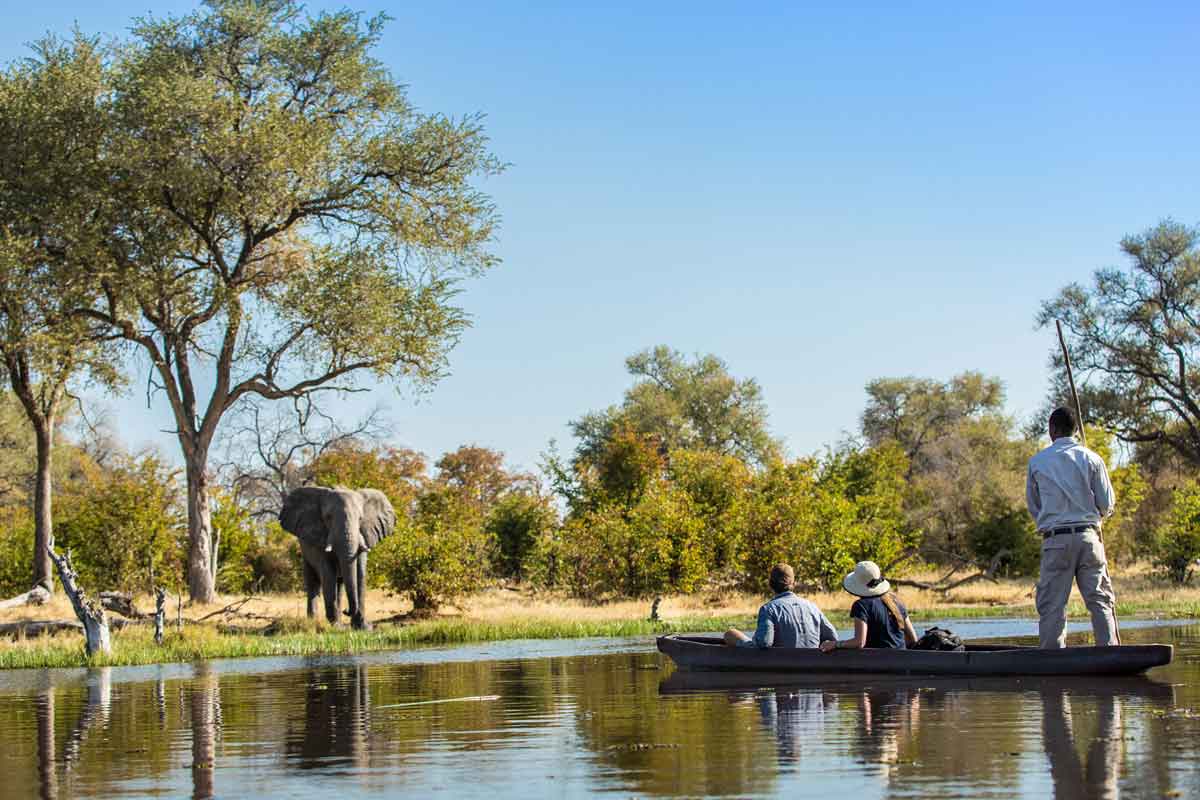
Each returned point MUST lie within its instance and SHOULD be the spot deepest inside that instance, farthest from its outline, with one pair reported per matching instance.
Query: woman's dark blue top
(882, 628)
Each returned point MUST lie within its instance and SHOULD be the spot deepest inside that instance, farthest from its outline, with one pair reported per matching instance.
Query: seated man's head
(1062, 422)
(783, 578)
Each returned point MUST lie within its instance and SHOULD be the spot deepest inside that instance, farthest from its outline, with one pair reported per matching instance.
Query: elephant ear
(301, 514)
(378, 517)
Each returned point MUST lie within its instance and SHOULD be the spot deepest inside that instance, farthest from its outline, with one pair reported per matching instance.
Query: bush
(714, 482)
(438, 555)
(655, 546)
(1011, 529)
(517, 523)
(16, 548)
(125, 529)
(1177, 544)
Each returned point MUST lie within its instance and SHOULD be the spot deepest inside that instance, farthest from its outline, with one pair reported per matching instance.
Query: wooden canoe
(710, 653)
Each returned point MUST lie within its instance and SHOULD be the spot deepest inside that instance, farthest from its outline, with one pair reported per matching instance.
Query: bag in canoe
(939, 639)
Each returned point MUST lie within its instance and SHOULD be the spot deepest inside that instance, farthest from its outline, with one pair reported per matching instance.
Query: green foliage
(1178, 543)
(714, 482)
(16, 544)
(440, 554)
(518, 522)
(276, 562)
(1134, 339)
(124, 527)
(824, 516)
(693, 405)
(238, 544)
(1007, 528)
(656, 545)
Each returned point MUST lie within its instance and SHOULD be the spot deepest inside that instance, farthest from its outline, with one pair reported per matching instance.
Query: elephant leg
(329, 588)
(350, 579)
(312, 587)
(361, 577)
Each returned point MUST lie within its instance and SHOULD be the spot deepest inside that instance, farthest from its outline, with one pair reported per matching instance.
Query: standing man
(1069, 494)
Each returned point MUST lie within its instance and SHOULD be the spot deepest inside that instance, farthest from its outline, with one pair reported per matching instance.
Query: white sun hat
(866, 580)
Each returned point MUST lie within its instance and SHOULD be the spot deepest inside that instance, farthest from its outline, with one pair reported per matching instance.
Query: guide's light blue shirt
(790, 621)
(1068, 484)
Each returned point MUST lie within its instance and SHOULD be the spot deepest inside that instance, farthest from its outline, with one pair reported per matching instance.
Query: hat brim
(854, 586)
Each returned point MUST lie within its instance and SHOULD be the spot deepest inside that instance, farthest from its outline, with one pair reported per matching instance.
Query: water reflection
(573, 726)
(337, 721)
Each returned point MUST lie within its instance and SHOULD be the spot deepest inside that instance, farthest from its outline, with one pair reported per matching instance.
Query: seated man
(786, 620)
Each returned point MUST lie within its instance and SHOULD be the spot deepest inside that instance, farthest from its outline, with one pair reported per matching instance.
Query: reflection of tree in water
(205, 706)
(795, 717)
(337, 721)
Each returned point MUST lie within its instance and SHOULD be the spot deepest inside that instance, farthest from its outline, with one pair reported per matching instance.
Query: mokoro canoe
(709, 652)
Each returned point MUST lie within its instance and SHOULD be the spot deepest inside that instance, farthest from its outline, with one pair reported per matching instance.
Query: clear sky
(820, 197)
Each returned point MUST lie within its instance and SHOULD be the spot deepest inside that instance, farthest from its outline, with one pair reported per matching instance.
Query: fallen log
(30, 629)
(941, 586)
(122, 604)
(96, 638)
(34, 597)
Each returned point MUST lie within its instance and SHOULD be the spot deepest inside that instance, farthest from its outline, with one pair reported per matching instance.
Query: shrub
(516, 524)
(16, 546)
(125, 528)
(1011, 529)
(438, 555)
(655, 546)
(1177, 544)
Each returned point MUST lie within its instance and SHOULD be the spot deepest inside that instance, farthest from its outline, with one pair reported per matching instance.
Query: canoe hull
(708, 653)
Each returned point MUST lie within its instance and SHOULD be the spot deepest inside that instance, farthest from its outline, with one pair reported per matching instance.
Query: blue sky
(818, 196)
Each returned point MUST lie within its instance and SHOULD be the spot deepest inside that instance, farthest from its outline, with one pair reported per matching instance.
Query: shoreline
(134, 645)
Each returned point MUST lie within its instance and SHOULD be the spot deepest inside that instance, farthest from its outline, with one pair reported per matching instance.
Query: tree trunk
(43, 570)
(91, 614)
(201, 585)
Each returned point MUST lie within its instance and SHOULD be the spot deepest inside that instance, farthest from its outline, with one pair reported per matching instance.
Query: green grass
(135, 646)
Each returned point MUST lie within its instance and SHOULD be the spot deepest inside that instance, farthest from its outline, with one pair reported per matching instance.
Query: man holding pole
(1069, 494)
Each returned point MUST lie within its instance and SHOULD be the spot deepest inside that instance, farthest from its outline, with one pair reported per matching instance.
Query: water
(556, 719)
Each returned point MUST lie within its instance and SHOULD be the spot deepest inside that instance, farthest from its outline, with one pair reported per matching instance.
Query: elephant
(336, 527)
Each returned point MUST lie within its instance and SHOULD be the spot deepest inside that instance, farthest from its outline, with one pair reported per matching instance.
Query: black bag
(939, 639)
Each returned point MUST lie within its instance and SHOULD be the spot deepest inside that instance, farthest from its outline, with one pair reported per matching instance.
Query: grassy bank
(500, 614)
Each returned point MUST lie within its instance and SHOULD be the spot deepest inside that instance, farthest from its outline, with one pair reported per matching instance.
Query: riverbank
(516, 613)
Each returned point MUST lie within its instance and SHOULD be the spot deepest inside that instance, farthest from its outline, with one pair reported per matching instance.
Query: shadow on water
(621, 722)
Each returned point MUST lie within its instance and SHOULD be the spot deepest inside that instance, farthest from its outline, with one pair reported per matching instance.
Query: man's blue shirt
(790, 621)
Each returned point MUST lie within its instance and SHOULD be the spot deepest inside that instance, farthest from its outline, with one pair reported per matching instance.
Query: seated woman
(880, 619)
(785, 620)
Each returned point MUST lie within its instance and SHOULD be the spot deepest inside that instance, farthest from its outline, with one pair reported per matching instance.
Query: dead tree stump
(160, 613)
(96, 637)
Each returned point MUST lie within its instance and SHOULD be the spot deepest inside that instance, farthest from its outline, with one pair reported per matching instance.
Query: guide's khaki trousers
(1079, 558)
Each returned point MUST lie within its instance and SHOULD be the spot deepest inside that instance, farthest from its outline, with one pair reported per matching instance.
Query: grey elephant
(336, 528)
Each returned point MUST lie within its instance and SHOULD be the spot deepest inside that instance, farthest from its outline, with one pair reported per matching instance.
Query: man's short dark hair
(1062, 421)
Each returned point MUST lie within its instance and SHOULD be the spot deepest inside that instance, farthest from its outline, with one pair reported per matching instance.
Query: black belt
(1067, 529)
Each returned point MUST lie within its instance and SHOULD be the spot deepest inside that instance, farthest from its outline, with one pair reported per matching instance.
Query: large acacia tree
(278, 220)
(51, 128)
(1134, 337)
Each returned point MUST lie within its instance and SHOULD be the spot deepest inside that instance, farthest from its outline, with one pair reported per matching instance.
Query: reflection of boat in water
(688, 682)
(710, 653)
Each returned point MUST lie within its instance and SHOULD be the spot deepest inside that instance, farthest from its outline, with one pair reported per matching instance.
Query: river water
(573, 718)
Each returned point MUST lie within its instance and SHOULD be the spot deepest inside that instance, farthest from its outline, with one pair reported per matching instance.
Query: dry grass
(513, 613)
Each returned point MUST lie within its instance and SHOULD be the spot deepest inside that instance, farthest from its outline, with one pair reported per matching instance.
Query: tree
(479, 474)
(966, 468)
(1177, 548)
(1134, 338)
(693, 405)
(916, 412)
(49, 127)
(277, 219)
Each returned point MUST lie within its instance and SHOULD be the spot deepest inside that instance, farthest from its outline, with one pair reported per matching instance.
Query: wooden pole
(1071, 380)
